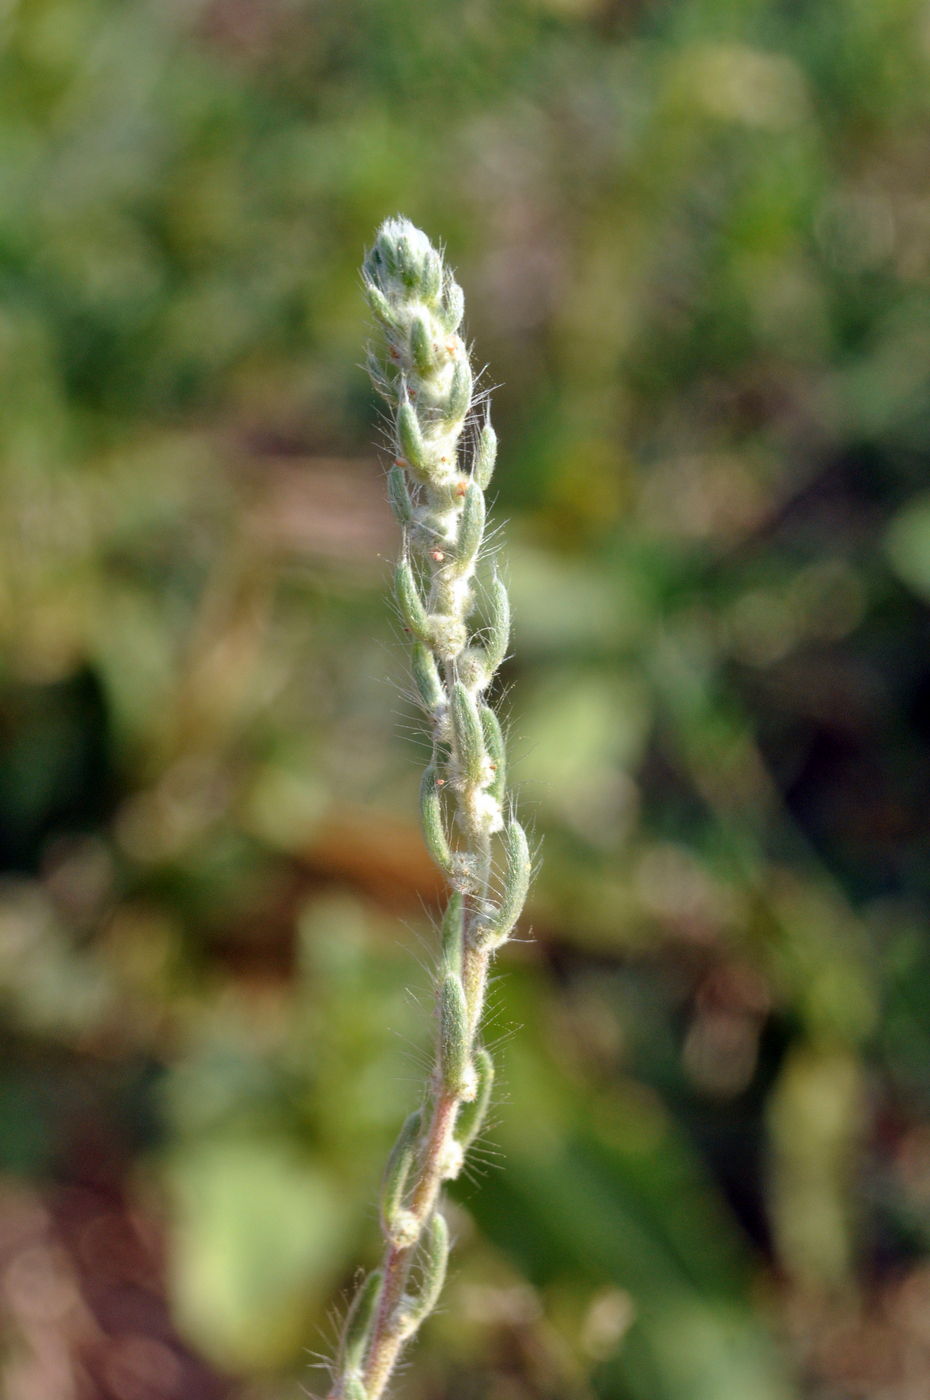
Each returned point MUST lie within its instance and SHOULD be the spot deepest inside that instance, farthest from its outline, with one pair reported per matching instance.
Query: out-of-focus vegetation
(695, 240)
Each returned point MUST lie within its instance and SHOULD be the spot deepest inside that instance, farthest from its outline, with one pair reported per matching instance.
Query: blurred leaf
(817, 1114)
(907, 543)
(604, 1190)
(257, 1234)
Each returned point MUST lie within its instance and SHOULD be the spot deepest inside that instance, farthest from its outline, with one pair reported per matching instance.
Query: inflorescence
(444, 453)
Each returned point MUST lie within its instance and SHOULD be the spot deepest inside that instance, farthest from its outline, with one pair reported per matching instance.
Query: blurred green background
(695, 243)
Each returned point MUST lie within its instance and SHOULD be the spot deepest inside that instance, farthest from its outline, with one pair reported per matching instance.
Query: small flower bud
(485, 456)
(406, 250)
(381, 306)
(498, 633)
(469, 738)
(499, 926)
(431, 818)
(421, 349)
(460, 391)
(410, 437)
(431, 281)
(453, 307)
(399, 495)
(471, 528)
(426, 677)
(409, 601)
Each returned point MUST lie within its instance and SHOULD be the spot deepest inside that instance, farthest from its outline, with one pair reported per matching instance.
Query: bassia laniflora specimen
(444, 453)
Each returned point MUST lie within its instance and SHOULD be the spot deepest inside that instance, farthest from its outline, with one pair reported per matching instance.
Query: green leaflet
(359, 1321)
(431, 818)
(469, 735)
(454, 1038)
(397, 1173)
(517, 871)
(432, 1260)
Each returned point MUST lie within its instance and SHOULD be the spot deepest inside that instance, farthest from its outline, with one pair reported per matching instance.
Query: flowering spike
(437, 494)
